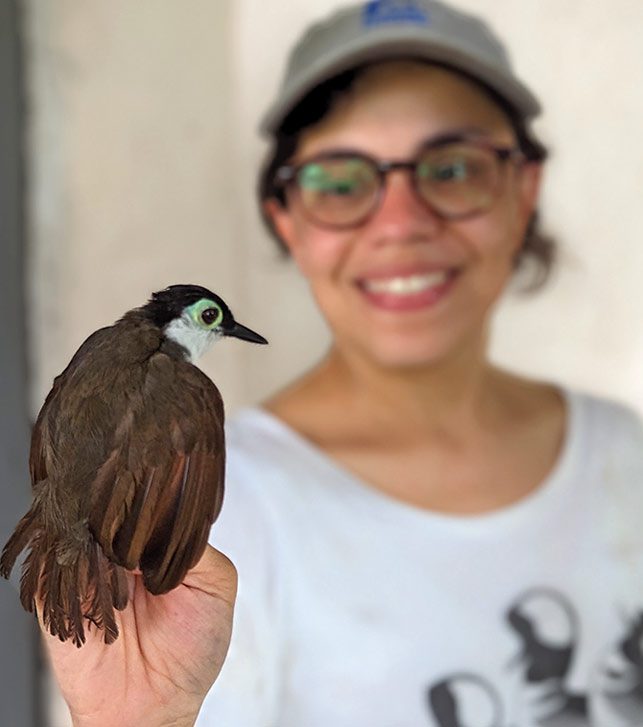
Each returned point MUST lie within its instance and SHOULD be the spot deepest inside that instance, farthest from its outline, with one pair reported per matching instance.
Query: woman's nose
(401, 213)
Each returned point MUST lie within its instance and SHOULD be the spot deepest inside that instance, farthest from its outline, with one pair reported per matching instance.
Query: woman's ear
(282, 223)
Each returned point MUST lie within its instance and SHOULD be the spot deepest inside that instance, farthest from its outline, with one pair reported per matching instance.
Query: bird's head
(195, 317)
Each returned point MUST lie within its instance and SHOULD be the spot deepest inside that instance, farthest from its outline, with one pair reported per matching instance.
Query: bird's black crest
(169, 303)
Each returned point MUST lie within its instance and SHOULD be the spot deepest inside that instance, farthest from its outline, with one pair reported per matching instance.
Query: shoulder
(612, 448)
(614, 444)
(270, 472)
(608, 439)
(259, 442)
(257, 508)
(608, 423)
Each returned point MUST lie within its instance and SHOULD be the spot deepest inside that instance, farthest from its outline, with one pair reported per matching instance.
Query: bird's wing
(41, 436)
(161, 486)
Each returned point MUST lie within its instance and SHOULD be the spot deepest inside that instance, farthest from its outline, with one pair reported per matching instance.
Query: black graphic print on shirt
(447, 700)
(621, 677)
(542, 666)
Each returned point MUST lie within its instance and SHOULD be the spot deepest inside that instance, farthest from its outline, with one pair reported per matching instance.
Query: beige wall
(143, 152)
(585, 60)
(131, 164)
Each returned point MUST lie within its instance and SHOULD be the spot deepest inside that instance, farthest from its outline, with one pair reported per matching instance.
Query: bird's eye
(209, 316)
(206, 314)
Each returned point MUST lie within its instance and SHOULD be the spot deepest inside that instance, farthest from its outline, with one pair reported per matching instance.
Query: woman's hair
(538, 251)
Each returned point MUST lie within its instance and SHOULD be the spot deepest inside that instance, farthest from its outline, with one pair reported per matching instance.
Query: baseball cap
(381, 29)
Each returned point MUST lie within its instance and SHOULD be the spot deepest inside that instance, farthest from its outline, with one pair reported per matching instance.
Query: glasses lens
(338, 191)
(458, 180)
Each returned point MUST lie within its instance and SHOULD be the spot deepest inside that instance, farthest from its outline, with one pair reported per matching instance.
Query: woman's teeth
(407, 285)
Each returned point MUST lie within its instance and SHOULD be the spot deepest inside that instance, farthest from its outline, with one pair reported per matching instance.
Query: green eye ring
(206, 314)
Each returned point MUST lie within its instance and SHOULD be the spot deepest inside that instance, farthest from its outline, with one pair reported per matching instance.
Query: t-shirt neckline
(517, 513)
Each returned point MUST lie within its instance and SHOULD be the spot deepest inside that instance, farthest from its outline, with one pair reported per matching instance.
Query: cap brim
(407, 43)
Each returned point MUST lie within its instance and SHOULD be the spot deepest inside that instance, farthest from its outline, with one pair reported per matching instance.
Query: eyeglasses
(454, 178)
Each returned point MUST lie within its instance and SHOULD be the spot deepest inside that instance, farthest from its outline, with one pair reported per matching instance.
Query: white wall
(143, 155)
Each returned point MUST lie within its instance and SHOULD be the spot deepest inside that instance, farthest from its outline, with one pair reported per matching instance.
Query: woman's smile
(410, 291)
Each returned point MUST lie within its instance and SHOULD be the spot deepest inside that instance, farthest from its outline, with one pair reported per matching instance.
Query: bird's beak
(239, 331)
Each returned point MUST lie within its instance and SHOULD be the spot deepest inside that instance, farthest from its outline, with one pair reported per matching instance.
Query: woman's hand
(169, 652)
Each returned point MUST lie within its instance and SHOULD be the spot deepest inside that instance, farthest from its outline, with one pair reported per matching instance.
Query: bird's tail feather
(68, 577)
(25, 530)
(79, 585)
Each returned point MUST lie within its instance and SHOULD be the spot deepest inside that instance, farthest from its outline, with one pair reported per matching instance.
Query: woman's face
(407, 288)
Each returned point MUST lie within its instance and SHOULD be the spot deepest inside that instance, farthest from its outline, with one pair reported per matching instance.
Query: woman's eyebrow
(344, 151)
(458, 133)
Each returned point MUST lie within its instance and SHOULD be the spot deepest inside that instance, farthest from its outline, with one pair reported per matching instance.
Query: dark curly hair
(538, 251)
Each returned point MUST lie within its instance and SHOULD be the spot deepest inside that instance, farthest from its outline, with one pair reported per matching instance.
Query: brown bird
(127, 464)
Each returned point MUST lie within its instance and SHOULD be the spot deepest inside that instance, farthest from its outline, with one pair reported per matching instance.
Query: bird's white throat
(186, 333)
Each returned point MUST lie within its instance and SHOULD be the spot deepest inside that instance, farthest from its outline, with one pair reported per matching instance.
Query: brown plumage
(127, 468)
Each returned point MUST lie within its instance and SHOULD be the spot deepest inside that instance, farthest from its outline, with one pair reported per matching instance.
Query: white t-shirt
(357, 610)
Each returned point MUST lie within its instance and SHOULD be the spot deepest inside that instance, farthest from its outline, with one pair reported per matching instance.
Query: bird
(127, 464)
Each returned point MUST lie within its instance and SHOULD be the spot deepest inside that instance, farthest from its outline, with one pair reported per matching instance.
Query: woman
(420, 536)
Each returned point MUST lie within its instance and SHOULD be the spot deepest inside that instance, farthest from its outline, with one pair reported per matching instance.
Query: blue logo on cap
(380, 12)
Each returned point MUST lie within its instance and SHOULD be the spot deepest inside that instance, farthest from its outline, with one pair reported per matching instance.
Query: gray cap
(380, 29)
